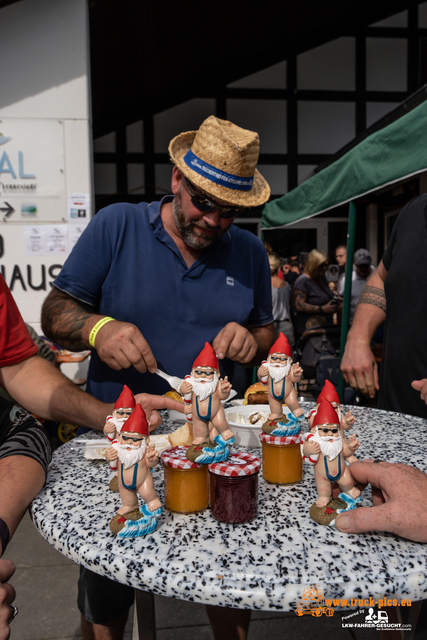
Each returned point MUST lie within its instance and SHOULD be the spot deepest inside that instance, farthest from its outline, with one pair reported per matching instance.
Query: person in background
(293, 272)
(341, 258)
(311, 294)
(281, 297)
(363, 269)
(394, 295)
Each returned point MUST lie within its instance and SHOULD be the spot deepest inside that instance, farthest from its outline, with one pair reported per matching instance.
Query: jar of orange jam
(281, 458)
(234, 488)
(186, 483)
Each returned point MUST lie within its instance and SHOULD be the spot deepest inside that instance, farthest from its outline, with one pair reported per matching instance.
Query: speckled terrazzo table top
(264, 564)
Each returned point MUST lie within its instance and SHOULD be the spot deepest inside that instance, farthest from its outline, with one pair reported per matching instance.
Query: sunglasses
(202, 203)
(206, 373)
(126, 438)
(328, 430)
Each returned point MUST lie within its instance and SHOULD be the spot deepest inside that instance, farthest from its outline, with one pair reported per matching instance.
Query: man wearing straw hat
(148, 284)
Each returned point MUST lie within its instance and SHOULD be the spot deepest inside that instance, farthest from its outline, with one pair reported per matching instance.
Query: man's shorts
(22, 435)
(101, 600)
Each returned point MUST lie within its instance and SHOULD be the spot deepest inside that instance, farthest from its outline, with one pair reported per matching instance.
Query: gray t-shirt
(281, 303)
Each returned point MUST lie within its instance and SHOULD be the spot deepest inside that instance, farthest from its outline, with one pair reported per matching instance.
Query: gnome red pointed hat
(125, 399)
(281, 346)
(326, 414)
(137, 422)
(207, 358)
(329, 393)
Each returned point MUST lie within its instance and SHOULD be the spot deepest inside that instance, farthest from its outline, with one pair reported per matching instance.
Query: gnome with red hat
(203, 393)
(326, 449)
(330, 393)
(346, 421)
(124, 406)
(135, 457)
(278, 373)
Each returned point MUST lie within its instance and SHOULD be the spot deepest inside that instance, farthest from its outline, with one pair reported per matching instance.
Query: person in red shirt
(37, 386)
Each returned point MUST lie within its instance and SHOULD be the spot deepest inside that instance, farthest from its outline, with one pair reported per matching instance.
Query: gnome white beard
(204, 389)
(118, 422)
(132, 457)
(278, 371)
(330, 449)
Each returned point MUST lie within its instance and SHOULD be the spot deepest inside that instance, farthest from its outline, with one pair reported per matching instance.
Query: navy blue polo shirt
(128, 267)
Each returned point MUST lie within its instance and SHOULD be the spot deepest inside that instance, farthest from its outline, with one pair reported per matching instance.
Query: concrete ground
(46, 586)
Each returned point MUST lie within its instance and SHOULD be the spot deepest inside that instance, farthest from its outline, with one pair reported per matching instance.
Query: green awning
(397, 151)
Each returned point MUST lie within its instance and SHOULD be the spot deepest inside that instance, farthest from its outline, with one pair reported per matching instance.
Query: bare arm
(69, 322)
(42, 389)
(358, 365)
(302, 306)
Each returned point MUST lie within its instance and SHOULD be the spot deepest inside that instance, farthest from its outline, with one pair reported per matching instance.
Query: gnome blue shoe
(223, 443)
(286, 430)
(136, 528)
(351, 502)
(208, 456)
(150, 514)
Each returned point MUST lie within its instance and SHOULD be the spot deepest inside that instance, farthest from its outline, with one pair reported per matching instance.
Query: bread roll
(182, 436)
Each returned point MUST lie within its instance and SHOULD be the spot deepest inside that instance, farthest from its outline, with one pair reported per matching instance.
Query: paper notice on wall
(35, 240)
(46, 239)
(79, 208)
(74, 233)
(56, 239)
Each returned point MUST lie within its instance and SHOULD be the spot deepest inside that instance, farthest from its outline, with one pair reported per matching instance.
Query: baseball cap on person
(362, 256)
(220, 159)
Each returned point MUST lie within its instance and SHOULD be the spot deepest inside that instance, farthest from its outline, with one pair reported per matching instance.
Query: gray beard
(132, 457)
(330, 449)
(205, 389)
(278, 372)
(186, 229)
(118, 423)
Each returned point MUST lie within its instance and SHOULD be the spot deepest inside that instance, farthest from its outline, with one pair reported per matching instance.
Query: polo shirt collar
(160, 232)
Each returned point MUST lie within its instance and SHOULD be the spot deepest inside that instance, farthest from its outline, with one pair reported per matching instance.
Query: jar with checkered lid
(281, 458)
(234, 488)
(186, 483)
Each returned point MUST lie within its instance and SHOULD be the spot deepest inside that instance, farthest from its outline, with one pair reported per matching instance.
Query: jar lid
(282, 440)
(238, 464)
(176, 458)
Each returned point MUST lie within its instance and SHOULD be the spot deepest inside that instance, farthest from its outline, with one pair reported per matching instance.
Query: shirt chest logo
(230, 281)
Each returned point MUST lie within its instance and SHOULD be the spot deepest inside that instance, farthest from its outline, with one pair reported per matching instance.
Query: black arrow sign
(9, 210)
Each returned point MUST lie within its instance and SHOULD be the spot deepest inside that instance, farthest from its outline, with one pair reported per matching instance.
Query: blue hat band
(216, 175)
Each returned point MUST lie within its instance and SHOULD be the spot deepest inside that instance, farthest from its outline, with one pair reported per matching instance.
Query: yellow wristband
(96, 328)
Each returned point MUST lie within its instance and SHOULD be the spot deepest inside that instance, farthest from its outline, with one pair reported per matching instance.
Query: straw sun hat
(220, 159)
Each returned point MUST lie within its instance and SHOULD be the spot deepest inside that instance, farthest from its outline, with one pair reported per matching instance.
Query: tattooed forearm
(301, 305)
(63, 319)
(374, 296)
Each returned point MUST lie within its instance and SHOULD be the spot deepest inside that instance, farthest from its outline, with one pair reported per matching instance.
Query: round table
(263, 564)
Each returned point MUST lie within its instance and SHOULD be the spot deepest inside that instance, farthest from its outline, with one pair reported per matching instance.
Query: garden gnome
(203, 392)
(278, 373)
(325, 448)
(346, 421)
(124, 406)
(135, 457)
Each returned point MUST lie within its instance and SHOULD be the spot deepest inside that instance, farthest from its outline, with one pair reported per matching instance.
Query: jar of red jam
(281, 458)
(234, 488)
(186, 483)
